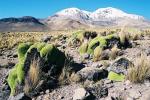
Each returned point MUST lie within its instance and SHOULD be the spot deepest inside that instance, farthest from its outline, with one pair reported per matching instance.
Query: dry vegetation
(114, 52)
(33, 76)
(11, 39)
(140, 71)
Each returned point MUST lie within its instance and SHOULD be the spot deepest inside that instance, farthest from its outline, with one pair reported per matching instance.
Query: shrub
(141, 70)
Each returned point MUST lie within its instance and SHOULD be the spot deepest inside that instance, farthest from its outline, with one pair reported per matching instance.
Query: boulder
(92, 74)
(80, 94)
(46, 38)
(98, 90)
(135, 93)
(118, 69)
(120, 66)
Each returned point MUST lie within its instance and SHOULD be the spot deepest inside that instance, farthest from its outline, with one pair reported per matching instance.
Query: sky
(45, 8)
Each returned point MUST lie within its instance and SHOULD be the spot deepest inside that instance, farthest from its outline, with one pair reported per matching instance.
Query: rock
(47, 91)
(15, 56)
(127, 82)
(92, 74)
(118, 69)
(146, 96)
(147, 51)
(98, 90)
(129, 98)
(120, 66)
(20, 96)
(134, 93)
(107, 81)
(96, 65)
(134, 44)
(86, 56)
(105, 55)
(46, 38)
(80, 94)
(113, 41)
(147, 83)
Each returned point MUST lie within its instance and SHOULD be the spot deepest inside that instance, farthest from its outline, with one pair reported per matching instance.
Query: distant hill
(74, 18)
(26, 23)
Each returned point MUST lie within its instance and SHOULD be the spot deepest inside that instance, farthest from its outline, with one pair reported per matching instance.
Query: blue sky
(45, 8)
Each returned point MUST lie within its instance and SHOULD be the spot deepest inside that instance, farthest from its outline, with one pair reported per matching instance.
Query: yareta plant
(48, 52)
(101, 41)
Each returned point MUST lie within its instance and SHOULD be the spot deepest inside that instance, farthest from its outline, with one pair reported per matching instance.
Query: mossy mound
(76, 37)
(101, 41)
(48, 52)
(116, 77)
(80, 36)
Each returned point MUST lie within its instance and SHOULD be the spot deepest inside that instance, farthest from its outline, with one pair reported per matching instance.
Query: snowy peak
(74, 13)
(107, 13)
(99, 14)
(113, 13)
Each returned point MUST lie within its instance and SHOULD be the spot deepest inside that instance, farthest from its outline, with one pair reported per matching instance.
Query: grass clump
(33, 77)
(140, 71)
(97, 53)
(124, 37)
(114, 52)
(83, 48)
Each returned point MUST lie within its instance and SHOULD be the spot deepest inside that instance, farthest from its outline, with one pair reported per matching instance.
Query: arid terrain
(75, 54)
(93, 64)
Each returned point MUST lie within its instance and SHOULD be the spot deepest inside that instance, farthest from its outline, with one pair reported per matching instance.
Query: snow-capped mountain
(101, 17)
(112, 13)
(74, 18)
(99, 14)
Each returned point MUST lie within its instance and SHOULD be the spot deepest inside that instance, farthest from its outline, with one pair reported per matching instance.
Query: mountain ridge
(75, 18)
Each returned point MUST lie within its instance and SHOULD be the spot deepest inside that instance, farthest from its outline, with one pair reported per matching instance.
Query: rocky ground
(95, 86)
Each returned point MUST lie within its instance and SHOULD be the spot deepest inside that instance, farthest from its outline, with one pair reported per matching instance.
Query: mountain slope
(101, 17)
(74, 18)
(26, 23)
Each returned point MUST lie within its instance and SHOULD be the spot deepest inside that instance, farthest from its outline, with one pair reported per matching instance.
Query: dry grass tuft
(135, 36)
(141, 70)
(33, 76)
(97, 53)
(114, 52)
(75, 77)
(67, 71)
(124, 36)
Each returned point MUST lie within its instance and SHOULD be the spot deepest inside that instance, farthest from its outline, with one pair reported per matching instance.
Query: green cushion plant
(47, 51)
(116, 77)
